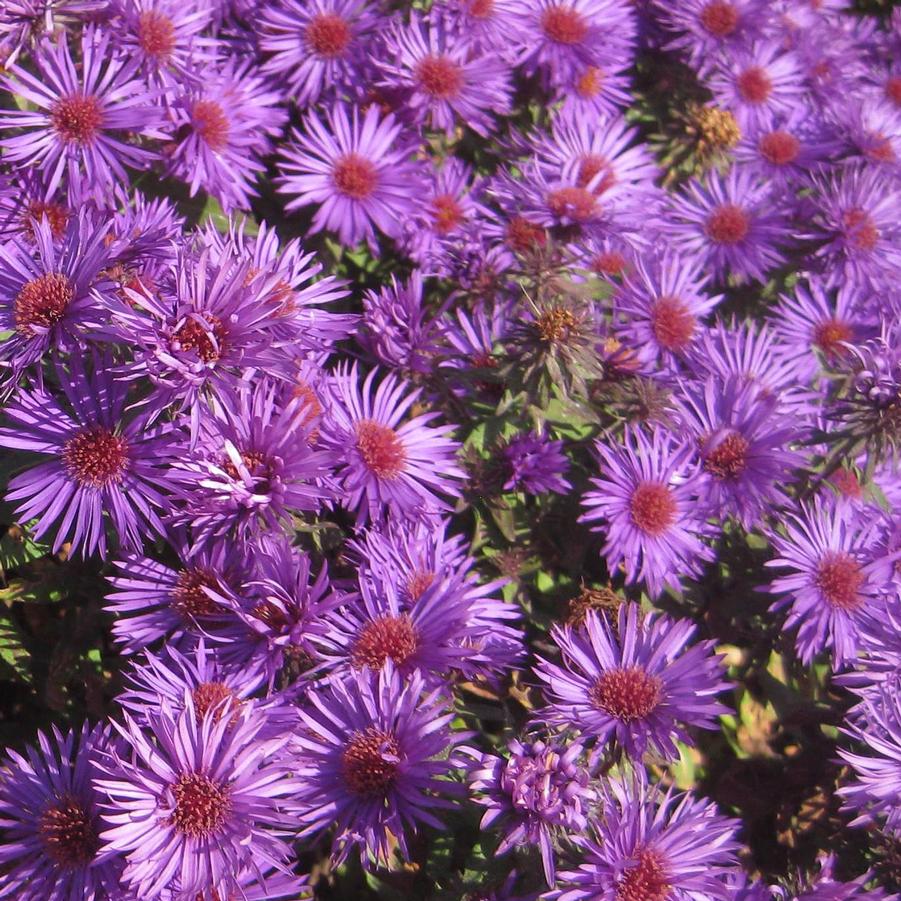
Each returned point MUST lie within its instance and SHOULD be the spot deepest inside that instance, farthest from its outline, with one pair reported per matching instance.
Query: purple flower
(535, 464)
(385, 464)
(648, 496)
(730, 224)
(537, 793)
(649, 845)
(371, 759)
(442, 78)
(358, 173)
(194, 802)
(50, 822)
(316, 47)
(824, 888)
(837, 579)
(101, 462)
(491, 25)
(81, 113)
(636, 685)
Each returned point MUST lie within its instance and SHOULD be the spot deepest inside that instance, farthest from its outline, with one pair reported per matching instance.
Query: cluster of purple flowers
(197, 405)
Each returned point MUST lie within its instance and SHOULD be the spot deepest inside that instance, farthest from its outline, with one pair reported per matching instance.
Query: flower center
(446, 214)
(779, 148)
(719, 18)
(481, 9)
(861, 231)
(188, 596)
(554, 325)
(754, 85)
(68, 833)
(839, 578)
(218, 697)
(256, 463)
(96, 457)
(879, 148)
(646, 881)
(572, 202)
(592, 165)
(382, 450)
(729, 459)
(211, 124)
(893, 89)
(563, 24)
(628, 694)
(370, 761)
(156, 34)
(328, 34)
(728, 224)
(610, 263)
(56, 214)
(440, 76)
(653, 508)
(523, 235)
(847, 484)
(42, 303)
(419, 583)
(355, 176)
(77, 118)
(201, 805)
(589, 83)
(829, 335)
(672, 323)
(386, 638)
(204, 336)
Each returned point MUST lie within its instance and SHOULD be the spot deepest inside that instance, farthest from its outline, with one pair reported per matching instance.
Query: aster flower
(472, 337)
(442, 78)
(50, 822)
(730, 224)
(743, 441)
(101, 461)
(873, 130)
(194, 800)
(650, 844)
(81, 114)
(595, 91)
(25, 199)
(535, 464)
(491, 25)
(836, 582)
(225, 123)
(537, 792)
(358, 173)
(23, 22)
(823, 887)
(384, 463)
(371, 759)
(315, 47)
(648, 496)
(638, 684)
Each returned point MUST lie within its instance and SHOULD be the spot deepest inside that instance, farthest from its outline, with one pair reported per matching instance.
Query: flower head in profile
(50, 821)
(533, 463)
(371, 759)
(639, 684)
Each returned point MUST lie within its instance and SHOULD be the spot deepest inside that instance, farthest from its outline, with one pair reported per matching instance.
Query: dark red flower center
(355, 176)
(204, 337)
(440, 76)
(257, 464)
(370, 761)
(652, 507)
(673, 323)
(779, 148)
(211, 124)
(719, 18)
(610, 263)
(628, 694)
(328, 34)
(201, 805)
(893, 89)
(523, 235)
(754, 85)
(447, 214)
(381, 449)
(829, 335)
(573, 203)
(646, 881)
(592, 165)
(839, 578)
(481, 9)
(419, 583)
(189, 599)
(42, 303)
(77, 118)
(68, 833)
(563, 24)
(389, 637)
(96, 457)
(56, 214)
(156, 34)
(846, 483)
(218, 697)
(729, 459)
(879, 148)
(728, 224)
(861, 230)
(590, 82)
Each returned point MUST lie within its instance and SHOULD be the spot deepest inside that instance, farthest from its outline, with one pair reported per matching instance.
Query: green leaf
(14, 656)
